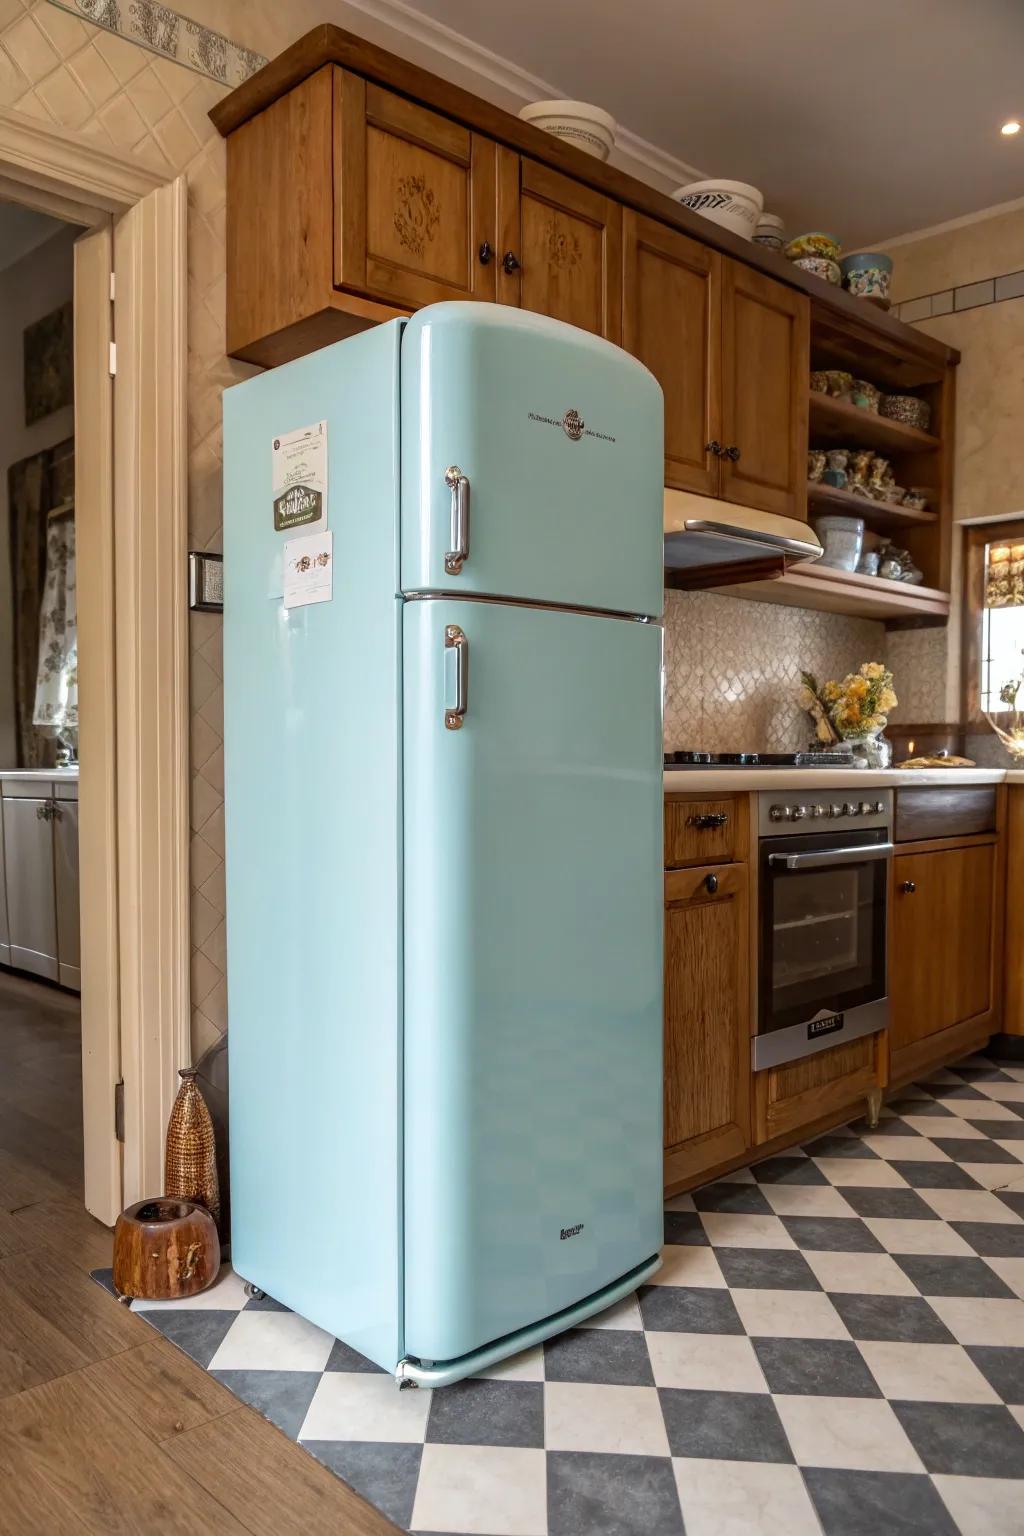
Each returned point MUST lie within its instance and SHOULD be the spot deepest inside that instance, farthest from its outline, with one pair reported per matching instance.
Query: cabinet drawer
(959, 811)
(703, 831)
(790, 1097)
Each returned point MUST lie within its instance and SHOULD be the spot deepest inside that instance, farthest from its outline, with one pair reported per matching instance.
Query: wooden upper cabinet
(564, 241)
(941, 941)
(765, 371)
(414, 199)
(671, 321)
(707, 1019)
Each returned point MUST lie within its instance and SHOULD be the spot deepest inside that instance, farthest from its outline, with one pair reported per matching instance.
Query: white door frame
(131, 491)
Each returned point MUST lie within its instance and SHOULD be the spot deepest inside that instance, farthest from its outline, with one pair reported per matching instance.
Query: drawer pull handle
(908, 887)
(732, 454)
(485, 252)
(711, 884)
(709, 819)
(713, 447)
(510, 263)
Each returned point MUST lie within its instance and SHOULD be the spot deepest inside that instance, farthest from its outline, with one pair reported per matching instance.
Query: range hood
(717, 543)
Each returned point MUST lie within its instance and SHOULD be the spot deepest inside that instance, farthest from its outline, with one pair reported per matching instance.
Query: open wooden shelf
(822, 587)
(839, 422)
(877, 514)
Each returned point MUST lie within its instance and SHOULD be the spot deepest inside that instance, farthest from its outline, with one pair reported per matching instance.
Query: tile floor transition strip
(834, 1345)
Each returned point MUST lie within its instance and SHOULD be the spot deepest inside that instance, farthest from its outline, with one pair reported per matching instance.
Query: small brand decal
(824, 1026)
(572, 424)
(297, 505)
(570, 1231)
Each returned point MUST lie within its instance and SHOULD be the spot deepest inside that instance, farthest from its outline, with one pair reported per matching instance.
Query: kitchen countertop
(45, 775)
(740, 780)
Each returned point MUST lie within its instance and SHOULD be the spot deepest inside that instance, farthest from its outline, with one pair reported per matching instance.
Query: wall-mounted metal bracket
(205, 582)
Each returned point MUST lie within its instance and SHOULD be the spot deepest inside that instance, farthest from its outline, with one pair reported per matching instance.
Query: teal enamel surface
(533, 921)
(444, 1372)
(313, 804)
(553, 519)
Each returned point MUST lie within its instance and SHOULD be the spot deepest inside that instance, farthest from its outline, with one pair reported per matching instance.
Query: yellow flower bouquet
(859, 706)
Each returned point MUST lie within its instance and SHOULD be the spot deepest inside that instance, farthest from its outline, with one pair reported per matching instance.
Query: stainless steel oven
(823, 882)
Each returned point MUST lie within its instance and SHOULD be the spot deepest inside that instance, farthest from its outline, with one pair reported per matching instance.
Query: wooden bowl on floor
(165, 1248)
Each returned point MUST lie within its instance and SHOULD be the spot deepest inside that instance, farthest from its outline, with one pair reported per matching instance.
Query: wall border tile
(173, 36)
(988, 290)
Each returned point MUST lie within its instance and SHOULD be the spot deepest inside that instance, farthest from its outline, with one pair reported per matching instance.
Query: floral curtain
(1004, 576)
(56, 704)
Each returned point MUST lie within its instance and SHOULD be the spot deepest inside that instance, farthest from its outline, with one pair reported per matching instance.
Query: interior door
(562, 247)
(533, 952)
(671, 321)
(552, 439)
(765, 371)
(414, 199)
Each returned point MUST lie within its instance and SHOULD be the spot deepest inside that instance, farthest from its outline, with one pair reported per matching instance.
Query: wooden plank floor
(105, 1428)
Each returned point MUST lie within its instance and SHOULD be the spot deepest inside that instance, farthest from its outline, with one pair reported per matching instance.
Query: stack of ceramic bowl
(868, 275)
(770, 232)
(817, 253)
(734, 204)
(577, 122)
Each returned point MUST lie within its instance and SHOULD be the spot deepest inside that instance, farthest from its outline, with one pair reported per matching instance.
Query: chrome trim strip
(775, 542)
(778, 1046)
(433, 595)
(825, 858)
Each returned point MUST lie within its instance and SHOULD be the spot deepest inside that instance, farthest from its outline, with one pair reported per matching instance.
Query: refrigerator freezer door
(531, 462)
(533, 933)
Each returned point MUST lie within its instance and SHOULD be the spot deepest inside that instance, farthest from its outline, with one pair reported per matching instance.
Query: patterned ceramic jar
(817, 243)
(865, 395)
(908, 409)
(867, 275)
(820, 266)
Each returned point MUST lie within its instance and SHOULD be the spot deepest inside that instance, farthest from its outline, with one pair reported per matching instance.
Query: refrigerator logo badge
(572, 424)
(570, 1232)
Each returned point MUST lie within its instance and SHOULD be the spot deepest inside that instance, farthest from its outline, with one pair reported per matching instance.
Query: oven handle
(828, 856)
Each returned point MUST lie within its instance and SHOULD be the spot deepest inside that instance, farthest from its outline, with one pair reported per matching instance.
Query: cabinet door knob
(713, 447)
(908, 887)
(711, 884)
(731, 453)
(485, 253)
(710, 819)
(510, 262)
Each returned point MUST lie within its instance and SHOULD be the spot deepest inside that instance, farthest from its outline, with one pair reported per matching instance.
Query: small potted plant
(854, 712)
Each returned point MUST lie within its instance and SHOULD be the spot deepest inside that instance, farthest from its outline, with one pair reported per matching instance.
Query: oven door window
(822, 936)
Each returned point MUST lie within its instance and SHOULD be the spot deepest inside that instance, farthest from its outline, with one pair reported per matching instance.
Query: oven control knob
(799, 812)
(850, 809)
(866, 807)
(835, 810)
(776, 812)
(817, 810)
(880, 807)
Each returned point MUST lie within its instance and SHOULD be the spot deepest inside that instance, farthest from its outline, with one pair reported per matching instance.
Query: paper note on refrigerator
(300, 478)
(309, 569)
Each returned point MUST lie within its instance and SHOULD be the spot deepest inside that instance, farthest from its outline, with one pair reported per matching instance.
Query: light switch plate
(205, 582)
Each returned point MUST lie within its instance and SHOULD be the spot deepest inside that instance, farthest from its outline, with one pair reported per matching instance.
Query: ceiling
(870, 118)
(22, 230)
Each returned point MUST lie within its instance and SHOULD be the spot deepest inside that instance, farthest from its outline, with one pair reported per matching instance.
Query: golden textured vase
(191, 1148)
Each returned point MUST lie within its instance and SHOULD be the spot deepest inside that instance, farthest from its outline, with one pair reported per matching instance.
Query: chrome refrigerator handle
(457, 483)
(456, 677)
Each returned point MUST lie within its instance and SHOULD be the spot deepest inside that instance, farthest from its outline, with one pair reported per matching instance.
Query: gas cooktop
(758, 760)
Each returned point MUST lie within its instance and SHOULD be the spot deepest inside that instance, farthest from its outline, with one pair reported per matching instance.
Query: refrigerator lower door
(532, 984)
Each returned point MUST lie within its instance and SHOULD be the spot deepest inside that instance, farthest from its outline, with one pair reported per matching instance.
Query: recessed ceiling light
(1010, 128)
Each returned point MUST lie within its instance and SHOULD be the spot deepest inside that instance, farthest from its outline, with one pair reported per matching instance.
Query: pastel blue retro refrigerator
(444, 854)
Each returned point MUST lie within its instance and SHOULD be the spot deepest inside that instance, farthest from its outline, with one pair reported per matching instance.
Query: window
(993, 615)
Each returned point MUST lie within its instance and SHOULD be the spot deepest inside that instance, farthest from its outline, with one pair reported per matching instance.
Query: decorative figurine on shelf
(854, 711)
(815, 465)
(880, 479)
(191, 1162)
(859, 471)
(835, 475)
(1010, 733)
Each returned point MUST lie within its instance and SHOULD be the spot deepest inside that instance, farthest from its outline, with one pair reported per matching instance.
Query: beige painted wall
(989, 474)
(35, 285)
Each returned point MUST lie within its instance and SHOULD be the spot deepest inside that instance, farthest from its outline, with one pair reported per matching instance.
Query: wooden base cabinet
(943, 929)
(707, 1018)
(793, 1096)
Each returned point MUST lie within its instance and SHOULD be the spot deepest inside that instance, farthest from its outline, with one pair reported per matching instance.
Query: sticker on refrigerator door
(299, 478)
(309, 569)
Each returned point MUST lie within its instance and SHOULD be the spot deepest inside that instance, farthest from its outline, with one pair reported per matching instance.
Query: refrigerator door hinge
(119, 1109)
(113, 359)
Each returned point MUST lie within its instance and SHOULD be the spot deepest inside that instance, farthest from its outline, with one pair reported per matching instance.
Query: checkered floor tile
(835, 1345)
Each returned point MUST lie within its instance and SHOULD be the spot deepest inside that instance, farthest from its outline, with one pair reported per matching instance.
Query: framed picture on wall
(49, 364)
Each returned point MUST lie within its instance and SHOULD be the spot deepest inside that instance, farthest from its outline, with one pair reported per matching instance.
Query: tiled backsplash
(732, 669)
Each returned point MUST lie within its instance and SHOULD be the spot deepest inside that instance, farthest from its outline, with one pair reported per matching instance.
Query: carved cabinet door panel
(414, 200)
(561, 247)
